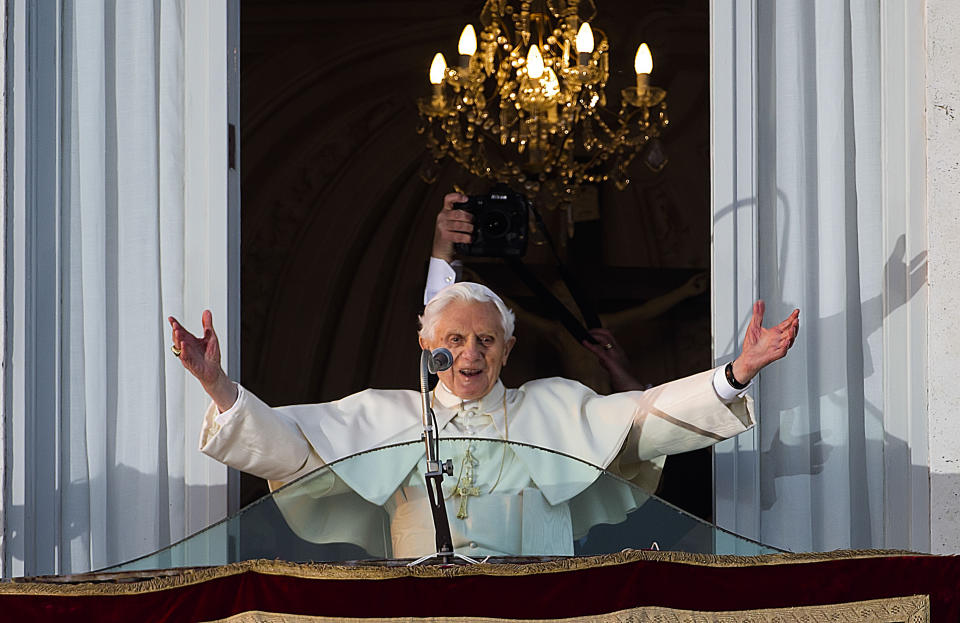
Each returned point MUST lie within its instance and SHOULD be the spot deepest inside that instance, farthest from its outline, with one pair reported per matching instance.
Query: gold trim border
(320, 571)
(912, 609)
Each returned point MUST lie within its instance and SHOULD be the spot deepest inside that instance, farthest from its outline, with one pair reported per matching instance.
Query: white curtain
(812, 476)
(128, 416)
(121, 483)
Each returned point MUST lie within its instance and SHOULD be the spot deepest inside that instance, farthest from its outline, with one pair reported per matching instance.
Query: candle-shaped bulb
(584, 44)
(437, 69)
(468, 41)
(551, 84)
(534, 63)
(585, 39)
(643, 63)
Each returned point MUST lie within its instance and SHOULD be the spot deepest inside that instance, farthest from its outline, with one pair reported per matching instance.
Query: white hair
(465, 291)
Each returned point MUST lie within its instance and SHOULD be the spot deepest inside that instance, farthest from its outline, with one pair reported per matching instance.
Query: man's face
(473, 333)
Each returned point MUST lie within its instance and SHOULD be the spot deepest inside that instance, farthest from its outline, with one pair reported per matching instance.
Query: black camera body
(500, 224)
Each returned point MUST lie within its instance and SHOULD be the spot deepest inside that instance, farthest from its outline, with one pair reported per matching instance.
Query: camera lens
(495, 224)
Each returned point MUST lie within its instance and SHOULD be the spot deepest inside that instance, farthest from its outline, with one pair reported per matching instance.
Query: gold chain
(506, 437)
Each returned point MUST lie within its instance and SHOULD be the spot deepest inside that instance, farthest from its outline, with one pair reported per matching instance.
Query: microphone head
(440, 360)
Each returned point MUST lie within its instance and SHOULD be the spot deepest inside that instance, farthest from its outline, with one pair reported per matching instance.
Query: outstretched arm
(201, 356)
(762, 346)
(655, 307)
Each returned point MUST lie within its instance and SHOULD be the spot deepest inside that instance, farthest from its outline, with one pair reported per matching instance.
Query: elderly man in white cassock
(628, 433)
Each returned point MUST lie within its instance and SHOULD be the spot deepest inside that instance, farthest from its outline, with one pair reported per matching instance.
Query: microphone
(439, 360)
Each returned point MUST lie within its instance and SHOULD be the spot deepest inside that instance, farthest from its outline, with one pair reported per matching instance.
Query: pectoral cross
(465, 486)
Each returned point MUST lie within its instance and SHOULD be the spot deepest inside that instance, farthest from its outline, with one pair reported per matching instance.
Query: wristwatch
(734, 383)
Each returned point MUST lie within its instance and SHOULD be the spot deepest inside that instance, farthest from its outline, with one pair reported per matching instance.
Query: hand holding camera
(454, 225)
(500, 224)
(491, 225)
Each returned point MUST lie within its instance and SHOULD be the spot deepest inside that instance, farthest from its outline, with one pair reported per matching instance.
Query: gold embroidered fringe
(913, 609)
(318, 571)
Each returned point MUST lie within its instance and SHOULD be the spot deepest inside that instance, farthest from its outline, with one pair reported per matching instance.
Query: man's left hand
(763, 346)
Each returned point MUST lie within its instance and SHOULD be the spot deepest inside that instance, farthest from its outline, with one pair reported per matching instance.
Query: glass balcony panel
(520, 501)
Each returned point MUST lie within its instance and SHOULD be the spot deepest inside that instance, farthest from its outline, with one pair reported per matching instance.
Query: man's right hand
(201, 357)
(453, 225)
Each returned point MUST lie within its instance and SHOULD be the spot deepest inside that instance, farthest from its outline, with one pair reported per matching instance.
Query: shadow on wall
(804, 480)
(824, 452)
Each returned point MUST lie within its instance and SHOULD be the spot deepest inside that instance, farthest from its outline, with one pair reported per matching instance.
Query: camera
(500, 224)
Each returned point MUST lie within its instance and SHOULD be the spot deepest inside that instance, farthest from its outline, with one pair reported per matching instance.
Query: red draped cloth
(634, 585)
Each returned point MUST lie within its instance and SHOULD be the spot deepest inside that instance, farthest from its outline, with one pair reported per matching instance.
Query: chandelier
(527, 104)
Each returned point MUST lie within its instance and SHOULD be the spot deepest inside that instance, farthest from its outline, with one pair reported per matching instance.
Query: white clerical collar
(492, 400)
(491, 404)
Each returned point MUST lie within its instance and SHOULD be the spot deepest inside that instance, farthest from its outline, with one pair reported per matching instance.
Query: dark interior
(337, 224)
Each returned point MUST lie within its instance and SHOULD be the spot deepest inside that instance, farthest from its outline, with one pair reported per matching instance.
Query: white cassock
(521, 490)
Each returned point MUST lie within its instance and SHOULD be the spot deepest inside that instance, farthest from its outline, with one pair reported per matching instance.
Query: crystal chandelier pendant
(526, 105)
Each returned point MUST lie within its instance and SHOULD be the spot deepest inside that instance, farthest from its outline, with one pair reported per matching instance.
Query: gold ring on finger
(176, 351)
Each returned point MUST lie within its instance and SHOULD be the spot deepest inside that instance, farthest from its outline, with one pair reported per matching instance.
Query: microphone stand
(435, 472)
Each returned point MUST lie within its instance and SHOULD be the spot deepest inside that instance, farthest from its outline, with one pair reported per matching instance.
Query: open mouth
(470, 372)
